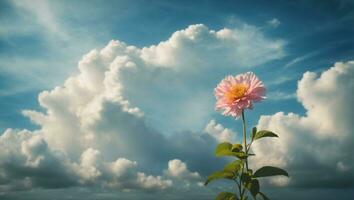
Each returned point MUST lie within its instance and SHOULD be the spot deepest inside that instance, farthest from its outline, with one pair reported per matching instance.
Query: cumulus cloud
(96, 129)
(100, 128)
(179, 169)
(151, 182)
(181, 71)
(316, 147)
(182, 176)
(26, 161)
(218, 132)
(244, 47)
(36, 165)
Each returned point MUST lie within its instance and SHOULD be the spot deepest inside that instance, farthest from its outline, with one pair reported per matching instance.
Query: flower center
(236, 92)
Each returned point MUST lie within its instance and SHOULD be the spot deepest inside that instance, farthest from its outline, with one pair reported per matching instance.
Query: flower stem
(244, 136)
(239, 188)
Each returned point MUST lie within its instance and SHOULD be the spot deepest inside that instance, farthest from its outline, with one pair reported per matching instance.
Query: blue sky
(169, 56)
(317, 35)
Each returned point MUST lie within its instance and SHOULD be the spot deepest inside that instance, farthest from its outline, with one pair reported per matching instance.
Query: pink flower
(234, 94)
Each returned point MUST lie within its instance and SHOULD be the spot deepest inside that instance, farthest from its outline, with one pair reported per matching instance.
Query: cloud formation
(218, 132)
(105, 126)
(244, 47)
(28, 162)
(315, 148)
(100, 128)
(94, 128)
(179, 169)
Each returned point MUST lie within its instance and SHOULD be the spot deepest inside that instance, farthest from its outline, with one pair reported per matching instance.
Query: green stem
(243, 192)
(244, 136)
(239, 188)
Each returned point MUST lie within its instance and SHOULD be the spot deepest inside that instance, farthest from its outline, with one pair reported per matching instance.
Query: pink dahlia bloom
(236, 93)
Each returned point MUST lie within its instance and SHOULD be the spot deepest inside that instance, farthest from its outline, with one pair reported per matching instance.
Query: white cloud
(120, 70)
(243, 47)
(178, 169)
(151, 182)
(88, 169)
(179, 73)
(315, 148)
(27, 161)
(218, 132)
(43, 167)
(93, 131)
(187, 180)
(120, 166)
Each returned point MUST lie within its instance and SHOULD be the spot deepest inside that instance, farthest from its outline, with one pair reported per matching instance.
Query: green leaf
(270, 171)
(254, 187)
(240, 155)
(225, 149)
(263, 196)
(254, 131)
(234, 167)
(236, 148)
(264, 133)
(219, 175)
(245, 179)
(226, 196)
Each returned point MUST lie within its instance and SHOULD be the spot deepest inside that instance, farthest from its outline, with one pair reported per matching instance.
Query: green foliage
(226, 196)
(262, 133)
(225, 149)
(236, 148)
(219, 175)
(245, 178)
(234, 167)
(254, 131)
(254, 187)
(238, 171)
(270, 171)
(250, 183)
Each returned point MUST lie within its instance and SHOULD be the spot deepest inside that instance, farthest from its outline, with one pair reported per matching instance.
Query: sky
(115, 99)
